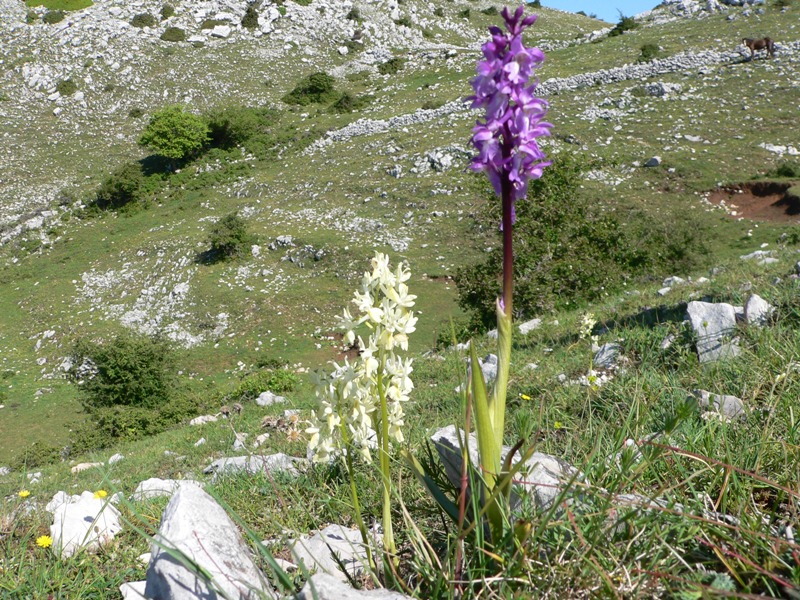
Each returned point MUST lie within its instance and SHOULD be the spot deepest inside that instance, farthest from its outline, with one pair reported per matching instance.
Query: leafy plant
(404, 21)
(173, 34)
(649, 52)
(167, 11)
(144, 20)
(391, 66)
(250, 18)
(175, 134)
(491, 11)
(354, 14)
(349, 102)
(278, 381)
(66, 87)
(317, 88)
(53, 16)
(624, 24)
(233, 125)
(211, 23)
(229, 237)
(464, 13)
(126, 186)
(438, 11)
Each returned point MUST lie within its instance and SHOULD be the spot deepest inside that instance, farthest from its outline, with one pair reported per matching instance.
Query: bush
(125, 186)
(568, 249)
(464, 14)
(354, 14)
(649, 52)
(625, 24)
(144, 20)
(536, 4)
(250, 18)
(229, 237)
(353, 46)
(53, 16)
(349, 102)
(130, 370)
(136, 113)
(279, 381)
(173, 34)
(438, 11)
(490, 12)
(175, 134)
(391, 66)
(432, 104)
(317, 88)
(31, 17)
(405, 21)
(211, 23)
(66, 87)
(167, 11)
(232, 126)
(786, 169)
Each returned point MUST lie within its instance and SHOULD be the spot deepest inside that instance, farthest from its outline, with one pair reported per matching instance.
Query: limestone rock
(317, 551)
(653, 162)
(81, 521)
(606, 356)
(251, 465)
(729, 407)
(80, 467)
(133, 590)
(155, 487)
(757, 311)
(268, 399)
(195, 526)
(202, 420)
(544, 476)
(713, 325)
(528, 326)
(326, 587)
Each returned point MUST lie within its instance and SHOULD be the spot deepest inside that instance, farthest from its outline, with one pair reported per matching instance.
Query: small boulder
(729, 407)
(331, 547)
(155, 487)
(606, 356)
(757, 311)
(713, 325)
(528, 326)
(80, 467)
(326, 587)
(251, 465)
(81, 521)
(202, 420)
(653, 162)
(268, 399)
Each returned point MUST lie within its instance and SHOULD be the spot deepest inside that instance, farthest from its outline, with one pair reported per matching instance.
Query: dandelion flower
(525, 396)
(558, 425)
(44, 541)
(23, 493)
(100, 494)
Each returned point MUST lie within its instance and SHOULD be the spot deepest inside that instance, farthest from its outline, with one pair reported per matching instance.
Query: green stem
(388, 533)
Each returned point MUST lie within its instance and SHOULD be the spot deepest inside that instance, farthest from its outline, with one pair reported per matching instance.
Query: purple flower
(506, 142)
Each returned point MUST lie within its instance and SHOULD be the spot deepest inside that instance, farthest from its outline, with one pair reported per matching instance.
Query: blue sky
(604, 9)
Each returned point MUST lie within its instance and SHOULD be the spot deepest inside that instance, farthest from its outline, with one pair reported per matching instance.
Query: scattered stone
(4, 471)
(273, 463)
(35, 477)
(221, 31)
(489, 369)
(713, 325)
(757, 255)
(115, 459)
(200, 442)
(653, 162)
(528, 326)
(606, 356)
(155, 487)
(133, 590)
(268, 399)
(259, 441)
(729, 407)
(239, 442)
(543, 476)
(80, 467)
(202, 420)
(667, 342)
(664, 291)
(327, 549)
(81, 521)
(195, 526)
(757, 311)
(673, 280)
(326, 587)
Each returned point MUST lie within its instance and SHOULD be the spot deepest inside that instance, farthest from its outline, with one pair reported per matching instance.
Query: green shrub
(625, 24)
(66, 87)
(60, 4)
(354, 14)
(570, 249)
(211, 23)
(109, 87)
(353, 46)
(129, 370)
(250, 18)
(405, 21)
(535, 4)
(173, 34)
(786, 169)
(31, 17)
(391, 66)
(649, 52)
(4, 97)
(36, 455)
(317, 88)
(175, 133)
(53, 16)
(464, 14)
(278, 381)
(432, 104)
(232, 126)
(491, 11)
(282, 10)
(136, 113)
(438, 11)
(229, 237)
(144, 20)
(349, 102)
(167, 11)
(126, 186)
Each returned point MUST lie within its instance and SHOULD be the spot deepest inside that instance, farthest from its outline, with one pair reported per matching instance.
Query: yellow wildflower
(24, 493)
(558, 425)
(525, 396)
(100, 494)
(44, 541)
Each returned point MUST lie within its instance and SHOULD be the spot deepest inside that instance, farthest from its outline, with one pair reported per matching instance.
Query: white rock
(80, 467)
(757, 311)
(133, 590)
(203, 420)
(81, 522)
(317, 552)
(221, 31)
(195, 526)
(155, 487)
(115, 459)
(268, 399)
(252, 465)
(326, 587)
(528, 326)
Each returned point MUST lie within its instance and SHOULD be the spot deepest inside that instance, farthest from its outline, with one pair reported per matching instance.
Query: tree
(175, 134)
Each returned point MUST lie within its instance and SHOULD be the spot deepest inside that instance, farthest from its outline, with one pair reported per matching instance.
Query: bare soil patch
(759, 201)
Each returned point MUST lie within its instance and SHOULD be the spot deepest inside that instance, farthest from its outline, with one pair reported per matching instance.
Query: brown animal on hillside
(762, 44)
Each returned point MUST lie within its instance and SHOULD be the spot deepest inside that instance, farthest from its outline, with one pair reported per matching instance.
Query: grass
(345, 202)
(60, 4)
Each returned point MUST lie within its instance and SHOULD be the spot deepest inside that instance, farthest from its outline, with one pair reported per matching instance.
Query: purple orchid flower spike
(506, 140)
